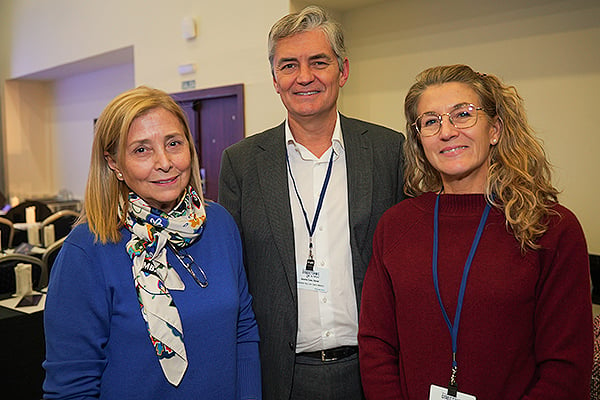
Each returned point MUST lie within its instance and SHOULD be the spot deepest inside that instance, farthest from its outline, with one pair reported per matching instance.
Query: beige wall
(29, 157)
(87, 52)
(230, 47)
(548, 49)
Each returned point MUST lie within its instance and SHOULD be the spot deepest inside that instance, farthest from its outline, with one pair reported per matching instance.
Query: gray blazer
(253, 186)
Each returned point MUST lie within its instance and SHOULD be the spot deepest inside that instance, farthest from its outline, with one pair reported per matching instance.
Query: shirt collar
(337, 140)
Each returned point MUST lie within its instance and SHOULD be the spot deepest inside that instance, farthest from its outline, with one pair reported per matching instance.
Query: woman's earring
(494, 141)
(120, 175)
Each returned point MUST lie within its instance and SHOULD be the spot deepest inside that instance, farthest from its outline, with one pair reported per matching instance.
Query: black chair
(50, 254)
(7, 232)
(63, 222)
(39, 272)
(17, 213)
(595, 275)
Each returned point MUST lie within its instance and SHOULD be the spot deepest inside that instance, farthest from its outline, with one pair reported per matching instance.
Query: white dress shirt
(327, 318)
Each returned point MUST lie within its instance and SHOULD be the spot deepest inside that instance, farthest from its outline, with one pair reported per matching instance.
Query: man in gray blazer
(307, 196)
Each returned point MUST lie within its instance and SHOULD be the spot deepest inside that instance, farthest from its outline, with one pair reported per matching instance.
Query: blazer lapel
(273, 181)
(359, 166)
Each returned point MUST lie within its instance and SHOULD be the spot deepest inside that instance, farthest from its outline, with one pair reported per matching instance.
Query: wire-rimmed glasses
(463, 115)
(188, 261)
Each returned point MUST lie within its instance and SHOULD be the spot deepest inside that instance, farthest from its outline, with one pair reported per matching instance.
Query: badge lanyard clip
(310, 262)
(453, 387)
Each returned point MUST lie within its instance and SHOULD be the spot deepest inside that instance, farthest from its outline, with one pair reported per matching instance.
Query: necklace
(188, 261)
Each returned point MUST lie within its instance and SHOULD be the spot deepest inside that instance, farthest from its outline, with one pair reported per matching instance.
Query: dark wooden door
(216, 118)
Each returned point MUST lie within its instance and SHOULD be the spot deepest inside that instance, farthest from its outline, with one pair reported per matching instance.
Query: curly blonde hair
(519, 175)
(104, 193)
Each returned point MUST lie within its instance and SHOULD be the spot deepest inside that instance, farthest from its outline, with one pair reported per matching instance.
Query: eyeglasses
(463, 116)
(188, 261)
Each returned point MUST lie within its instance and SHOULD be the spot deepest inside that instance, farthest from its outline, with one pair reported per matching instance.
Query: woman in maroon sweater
(479, 285)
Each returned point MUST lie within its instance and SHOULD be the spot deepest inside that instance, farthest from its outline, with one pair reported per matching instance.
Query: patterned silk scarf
(151, 229)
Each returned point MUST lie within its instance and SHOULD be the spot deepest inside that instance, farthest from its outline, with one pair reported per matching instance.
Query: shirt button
(291, 346)
(322, 263)
(327, 334)
(321, 228)
(324, 300)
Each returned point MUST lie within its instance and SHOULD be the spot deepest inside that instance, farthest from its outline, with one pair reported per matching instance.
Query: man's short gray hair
(309, 19)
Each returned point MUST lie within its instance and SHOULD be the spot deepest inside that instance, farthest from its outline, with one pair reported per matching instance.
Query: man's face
(307, 75)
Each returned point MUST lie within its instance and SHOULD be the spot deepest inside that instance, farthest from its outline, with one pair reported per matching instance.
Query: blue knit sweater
(97, 345)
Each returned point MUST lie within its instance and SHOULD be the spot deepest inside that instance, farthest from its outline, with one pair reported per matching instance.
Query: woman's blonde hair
(519, 175)
(104, 193)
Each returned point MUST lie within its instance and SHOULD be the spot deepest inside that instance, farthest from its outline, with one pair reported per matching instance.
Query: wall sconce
(188, 28)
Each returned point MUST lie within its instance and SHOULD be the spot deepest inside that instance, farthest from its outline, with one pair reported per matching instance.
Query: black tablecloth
(22, 351)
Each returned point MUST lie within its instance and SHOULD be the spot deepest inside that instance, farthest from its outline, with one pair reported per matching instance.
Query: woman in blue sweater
(148, 297)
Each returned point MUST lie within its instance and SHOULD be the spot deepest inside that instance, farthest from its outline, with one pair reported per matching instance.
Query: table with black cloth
(22, 351)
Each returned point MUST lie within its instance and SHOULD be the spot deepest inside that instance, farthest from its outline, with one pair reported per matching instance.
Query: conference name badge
(441, 393)
(316, 280)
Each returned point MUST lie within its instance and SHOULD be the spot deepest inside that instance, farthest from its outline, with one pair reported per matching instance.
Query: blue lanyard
(311, 227)
(463, 284)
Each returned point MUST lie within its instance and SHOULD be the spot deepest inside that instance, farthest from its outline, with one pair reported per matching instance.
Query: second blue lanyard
(453, 328)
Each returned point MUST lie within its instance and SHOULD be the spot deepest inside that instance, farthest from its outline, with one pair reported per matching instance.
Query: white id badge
(441, 393)
(317, 280)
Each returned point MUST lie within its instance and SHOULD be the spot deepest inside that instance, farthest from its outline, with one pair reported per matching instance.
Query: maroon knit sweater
(526, 326)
